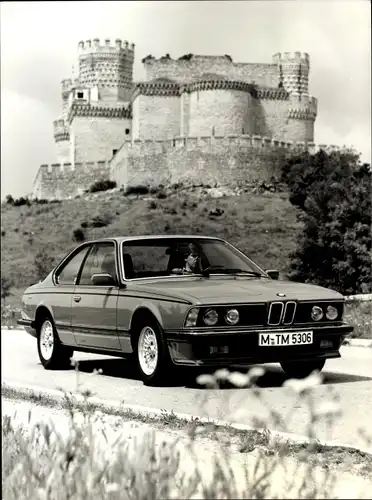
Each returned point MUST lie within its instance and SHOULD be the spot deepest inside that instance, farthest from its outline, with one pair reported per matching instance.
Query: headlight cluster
(317, 313)
(211, 317)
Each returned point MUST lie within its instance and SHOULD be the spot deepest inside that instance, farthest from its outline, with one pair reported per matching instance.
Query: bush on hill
(44, 262)
(333, 192)
(102, 185)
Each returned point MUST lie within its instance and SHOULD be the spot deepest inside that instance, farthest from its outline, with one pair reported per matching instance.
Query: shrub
(9, 199)
(152, 205)
(78, 235)
(137, 190)
(161, 195)
(333, 193)
(6, 286)
(102, 185)
(19, 202)
(186, 57)
(44, 263)
(100, 220)
(9, 316)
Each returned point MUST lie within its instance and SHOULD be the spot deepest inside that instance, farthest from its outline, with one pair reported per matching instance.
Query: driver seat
(108, 265)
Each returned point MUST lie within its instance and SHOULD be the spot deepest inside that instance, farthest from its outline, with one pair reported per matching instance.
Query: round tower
(107, 66)
(293, 69)
(61, 140)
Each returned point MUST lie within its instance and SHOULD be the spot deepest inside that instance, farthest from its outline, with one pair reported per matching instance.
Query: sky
(39, 46)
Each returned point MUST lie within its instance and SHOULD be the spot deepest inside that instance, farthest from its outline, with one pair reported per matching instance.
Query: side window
(68, 273)
(100, 260)
(142, 261)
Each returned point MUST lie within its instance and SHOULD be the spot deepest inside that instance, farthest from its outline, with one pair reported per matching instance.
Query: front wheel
(152, 354)
(302, 369)
(52, 353)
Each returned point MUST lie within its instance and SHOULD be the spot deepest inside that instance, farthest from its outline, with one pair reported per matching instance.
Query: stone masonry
(203, 118)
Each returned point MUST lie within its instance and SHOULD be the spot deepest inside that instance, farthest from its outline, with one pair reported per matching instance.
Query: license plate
(284, 339)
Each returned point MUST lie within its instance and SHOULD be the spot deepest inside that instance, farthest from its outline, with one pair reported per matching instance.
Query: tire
(52, 353)
(152, 355)
(302, 369)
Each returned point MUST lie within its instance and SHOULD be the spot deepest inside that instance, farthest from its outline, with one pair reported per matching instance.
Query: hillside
(262, 225)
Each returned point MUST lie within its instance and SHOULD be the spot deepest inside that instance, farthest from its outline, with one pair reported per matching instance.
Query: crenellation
(207, 117)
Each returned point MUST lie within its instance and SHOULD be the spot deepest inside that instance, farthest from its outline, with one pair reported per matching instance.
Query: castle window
(127, 131)
(80, 95)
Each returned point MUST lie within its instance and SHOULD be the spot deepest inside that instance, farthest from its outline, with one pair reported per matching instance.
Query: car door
(94, 308)
(61, 298)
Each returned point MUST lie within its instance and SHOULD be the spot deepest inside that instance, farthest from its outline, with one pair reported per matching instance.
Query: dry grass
(262, 225)
(42, 463)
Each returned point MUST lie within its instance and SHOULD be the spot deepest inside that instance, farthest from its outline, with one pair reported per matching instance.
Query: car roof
(120, 239)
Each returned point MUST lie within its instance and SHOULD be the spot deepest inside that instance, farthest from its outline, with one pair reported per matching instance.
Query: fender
(151, 308)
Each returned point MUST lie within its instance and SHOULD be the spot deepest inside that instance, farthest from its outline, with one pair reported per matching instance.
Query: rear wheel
(302, 369)
(52, 353)
(152, 353)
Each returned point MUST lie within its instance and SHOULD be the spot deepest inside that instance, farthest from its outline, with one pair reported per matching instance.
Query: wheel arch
(41, 311)
(140, 314)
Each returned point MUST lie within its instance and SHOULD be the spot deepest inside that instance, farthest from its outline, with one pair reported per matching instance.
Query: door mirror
(103, 279)
(273, 273)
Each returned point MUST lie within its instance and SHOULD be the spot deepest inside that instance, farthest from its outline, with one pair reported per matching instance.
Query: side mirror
(103, 279)
(273, 273)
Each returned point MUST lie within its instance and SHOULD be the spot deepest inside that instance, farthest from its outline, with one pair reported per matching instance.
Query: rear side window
(100, 260)
(68, 273)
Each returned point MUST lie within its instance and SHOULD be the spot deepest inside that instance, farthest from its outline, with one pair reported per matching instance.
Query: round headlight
(232, 317)
(316, 313)
(331, 313)
(210, 318)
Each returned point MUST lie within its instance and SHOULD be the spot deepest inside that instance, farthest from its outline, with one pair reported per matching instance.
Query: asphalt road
(350, 377)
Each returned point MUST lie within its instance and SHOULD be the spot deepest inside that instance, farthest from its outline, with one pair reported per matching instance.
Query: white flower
(239, 379)
(206, 379)
(303, 385)
(112, 487)
(222, 374)
(256, 372)
(328, 408)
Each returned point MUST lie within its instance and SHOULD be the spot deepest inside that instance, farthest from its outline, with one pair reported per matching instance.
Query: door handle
(77, 298)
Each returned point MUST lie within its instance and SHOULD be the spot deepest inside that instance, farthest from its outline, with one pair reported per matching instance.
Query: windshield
(188, 256)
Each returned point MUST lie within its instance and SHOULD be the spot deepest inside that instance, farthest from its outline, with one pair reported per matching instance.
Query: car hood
(235, 290)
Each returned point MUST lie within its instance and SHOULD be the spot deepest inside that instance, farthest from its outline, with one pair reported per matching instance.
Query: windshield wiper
(230, 270)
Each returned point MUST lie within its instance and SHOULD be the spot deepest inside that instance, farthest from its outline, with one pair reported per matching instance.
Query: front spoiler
(28, 325)
(192, 348)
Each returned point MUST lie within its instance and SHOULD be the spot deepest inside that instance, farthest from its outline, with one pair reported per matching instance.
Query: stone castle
(198, 118)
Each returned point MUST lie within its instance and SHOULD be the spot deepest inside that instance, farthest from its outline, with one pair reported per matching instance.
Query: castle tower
(108, 67)
(293, 71)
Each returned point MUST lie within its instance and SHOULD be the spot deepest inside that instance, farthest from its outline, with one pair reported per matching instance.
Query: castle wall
(64, 181)
(63, 151)
(269, 118)
(188, 70)
(185, 114)
(159, 117)
(94, 139)
(300, 129)
(220, 112)
(222, 160)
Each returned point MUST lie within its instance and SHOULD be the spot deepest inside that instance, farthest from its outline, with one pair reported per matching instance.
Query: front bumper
(193, 348)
